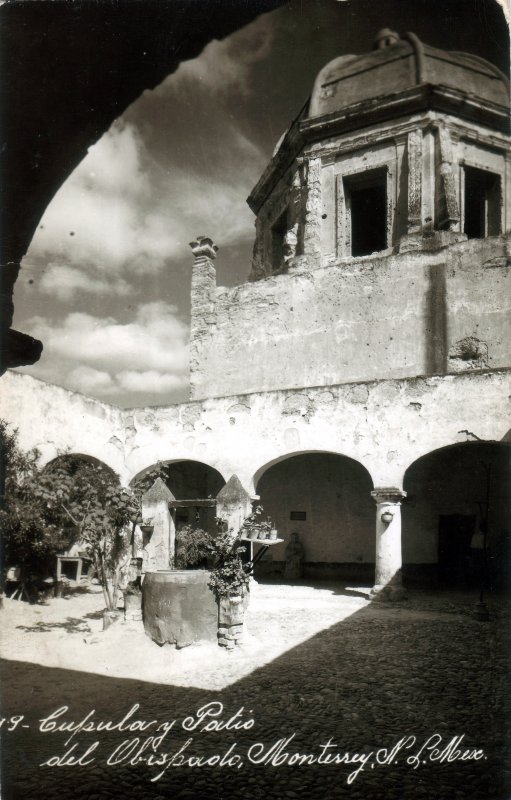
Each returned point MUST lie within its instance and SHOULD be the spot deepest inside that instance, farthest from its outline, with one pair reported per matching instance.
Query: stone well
(179, 607)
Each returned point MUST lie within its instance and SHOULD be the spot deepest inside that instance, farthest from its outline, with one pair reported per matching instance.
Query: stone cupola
(402, 148)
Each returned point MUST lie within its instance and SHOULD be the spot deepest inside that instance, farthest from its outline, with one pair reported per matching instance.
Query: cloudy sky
(106, 281)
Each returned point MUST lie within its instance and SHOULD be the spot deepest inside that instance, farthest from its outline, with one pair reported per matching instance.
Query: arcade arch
(74, 460)
(190, 481)
(453, 493)
(325, 498)
(74, 559)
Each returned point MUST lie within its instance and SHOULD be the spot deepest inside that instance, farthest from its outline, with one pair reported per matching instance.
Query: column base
(388, 593)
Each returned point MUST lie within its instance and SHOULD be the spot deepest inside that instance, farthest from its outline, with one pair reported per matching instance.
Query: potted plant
(229, 576)
(229, 581)
(254, 527)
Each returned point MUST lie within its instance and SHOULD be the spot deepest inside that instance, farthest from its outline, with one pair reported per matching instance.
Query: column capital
(204, 247)
(388, 494)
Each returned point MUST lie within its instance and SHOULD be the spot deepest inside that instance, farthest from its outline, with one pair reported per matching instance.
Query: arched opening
(457, 517)
(326, 499)
(74, 561)
(73, 461)
(194, 486)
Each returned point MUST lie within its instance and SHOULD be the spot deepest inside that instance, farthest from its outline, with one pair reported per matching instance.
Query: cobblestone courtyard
(340, 675)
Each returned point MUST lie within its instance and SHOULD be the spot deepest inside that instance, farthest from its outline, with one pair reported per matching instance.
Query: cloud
(90, 381)
(217, 204)
(108, 358)
(121, 215)
(224, 66)
(176, 165)
(64, 282)
(149, 381)
(99, 220)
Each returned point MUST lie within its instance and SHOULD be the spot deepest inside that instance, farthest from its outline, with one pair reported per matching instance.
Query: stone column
(258, 269)
(506, 205)
(313, 210)
(159, 550)
(389, 562)
(233, 505)
(450, 208)
(414, 154)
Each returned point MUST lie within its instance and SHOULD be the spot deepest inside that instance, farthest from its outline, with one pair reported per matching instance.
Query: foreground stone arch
(71, 97)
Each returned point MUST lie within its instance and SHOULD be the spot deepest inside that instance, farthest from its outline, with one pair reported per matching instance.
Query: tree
(44, 511)
(30, 536)
(103, 515)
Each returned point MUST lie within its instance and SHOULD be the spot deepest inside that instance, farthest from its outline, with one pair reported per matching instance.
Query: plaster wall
(392, 316)
(385, 425)
(57, 421)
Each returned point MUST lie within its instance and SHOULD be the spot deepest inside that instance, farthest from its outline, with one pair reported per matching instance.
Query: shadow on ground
(333, 586)
(383, 676)
(71, 625)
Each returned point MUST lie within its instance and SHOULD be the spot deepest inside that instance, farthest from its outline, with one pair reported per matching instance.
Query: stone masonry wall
(372, 318)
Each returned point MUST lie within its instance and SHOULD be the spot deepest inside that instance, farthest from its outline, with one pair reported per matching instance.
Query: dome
(397, 64)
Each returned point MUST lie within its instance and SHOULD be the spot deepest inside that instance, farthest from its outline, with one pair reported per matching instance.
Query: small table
(78, 560)
(265, 544)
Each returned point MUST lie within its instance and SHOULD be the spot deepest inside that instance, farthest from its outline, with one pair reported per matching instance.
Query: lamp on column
(388, 561)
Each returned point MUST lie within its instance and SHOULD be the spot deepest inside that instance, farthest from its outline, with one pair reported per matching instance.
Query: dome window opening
(278, 235)
(366, 212)
(482, 203)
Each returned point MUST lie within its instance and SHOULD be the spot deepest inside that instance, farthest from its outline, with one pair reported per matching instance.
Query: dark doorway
(366, 198)
(278, 233)
(455, 562)
(368, 220)
(482, 203)
(448, 491)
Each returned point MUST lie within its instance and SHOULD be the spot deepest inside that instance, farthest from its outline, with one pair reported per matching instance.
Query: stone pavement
(391, 690)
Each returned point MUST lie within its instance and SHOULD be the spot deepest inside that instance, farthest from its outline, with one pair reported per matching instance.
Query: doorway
(455, 564)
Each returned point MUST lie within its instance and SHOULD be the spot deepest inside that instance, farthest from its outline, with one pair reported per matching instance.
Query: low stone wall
(231, 616)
